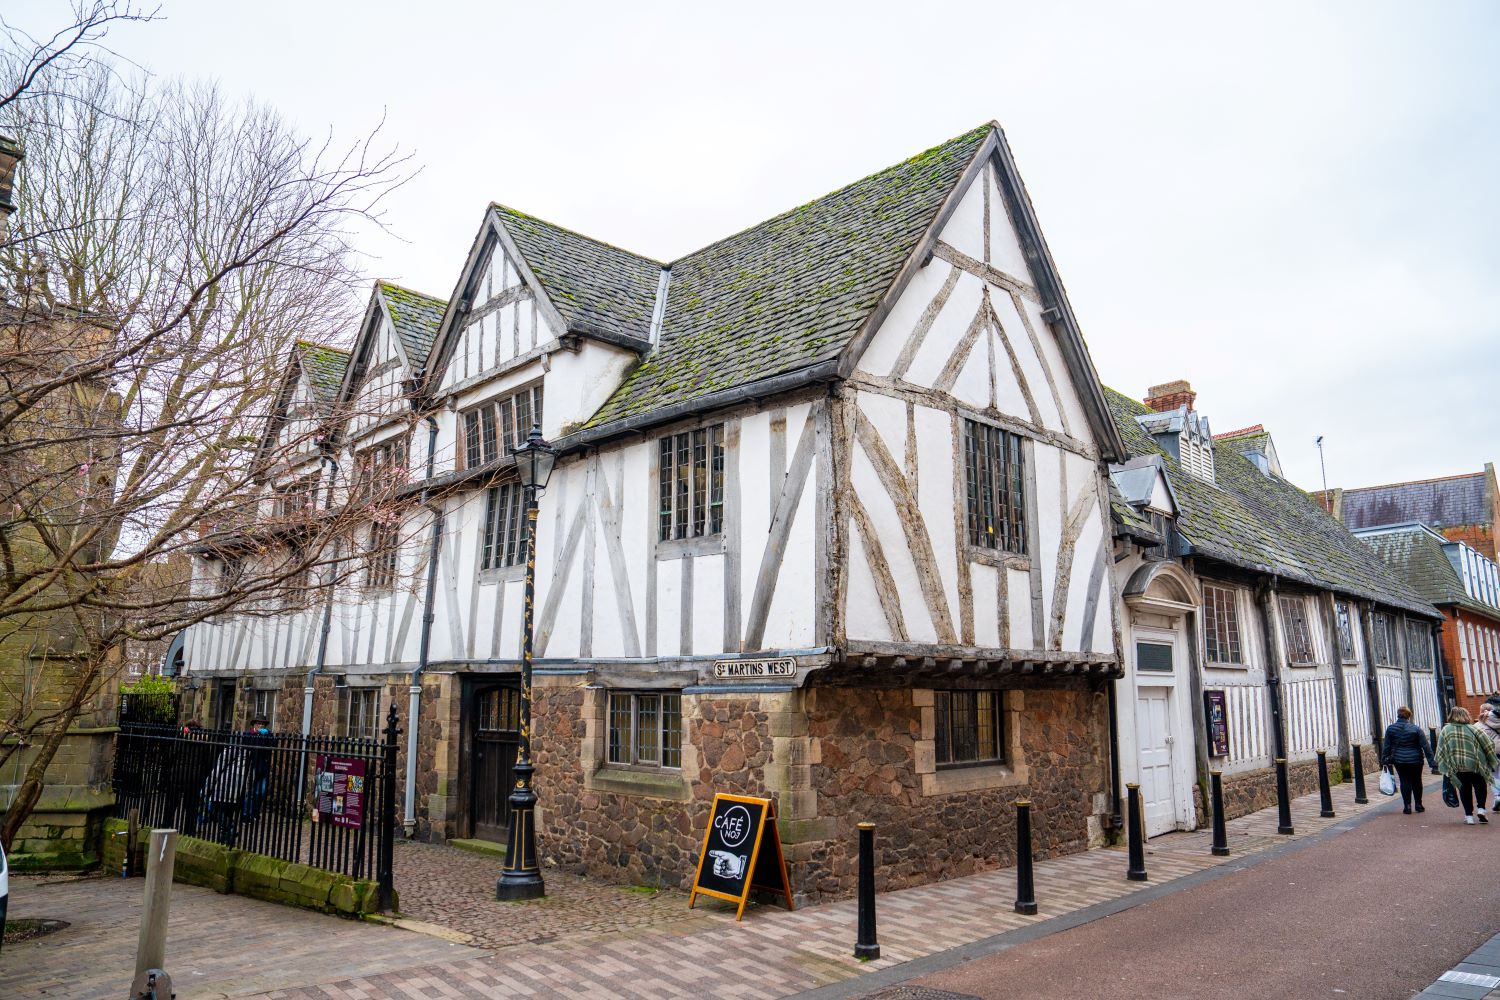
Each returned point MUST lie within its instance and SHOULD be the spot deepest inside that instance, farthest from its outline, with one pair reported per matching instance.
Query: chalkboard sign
(1216, 717)
(741, 851)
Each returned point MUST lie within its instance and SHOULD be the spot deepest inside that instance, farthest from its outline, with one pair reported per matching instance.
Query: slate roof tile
(597, 287)
(1265, 524)
(1417, 556)
(415, 318)
(1452, 501)
(791, 291)
(324, 367)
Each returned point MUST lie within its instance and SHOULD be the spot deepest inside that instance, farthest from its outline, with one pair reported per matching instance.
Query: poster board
(1216, 717)
(339, 791)
(741, 852)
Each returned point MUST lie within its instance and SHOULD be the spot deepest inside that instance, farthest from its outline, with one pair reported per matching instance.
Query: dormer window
(498, 427)
(1185, 435)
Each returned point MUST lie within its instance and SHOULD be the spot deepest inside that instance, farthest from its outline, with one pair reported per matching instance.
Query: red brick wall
(1470, 699)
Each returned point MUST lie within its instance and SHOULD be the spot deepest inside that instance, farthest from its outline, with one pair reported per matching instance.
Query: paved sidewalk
(584, 940)
(775, 954)
(1475, 978)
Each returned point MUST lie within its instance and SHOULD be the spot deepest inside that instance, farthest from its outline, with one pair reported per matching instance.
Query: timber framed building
(1243, 597)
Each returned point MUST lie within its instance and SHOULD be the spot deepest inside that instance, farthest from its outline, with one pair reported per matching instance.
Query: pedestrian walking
(1489, 727)
(1468, 760)
(1405, 748)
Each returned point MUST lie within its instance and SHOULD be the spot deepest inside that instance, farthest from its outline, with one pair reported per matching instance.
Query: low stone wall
(1256, 790)
(62, 832)
(227, 870)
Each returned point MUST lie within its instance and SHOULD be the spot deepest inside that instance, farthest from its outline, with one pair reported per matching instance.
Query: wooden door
(495, 739)
(1154, 742)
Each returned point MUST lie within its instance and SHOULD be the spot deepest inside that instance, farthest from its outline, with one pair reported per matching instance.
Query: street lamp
(521, 878)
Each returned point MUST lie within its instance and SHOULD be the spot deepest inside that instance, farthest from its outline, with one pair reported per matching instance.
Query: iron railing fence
(321, 801)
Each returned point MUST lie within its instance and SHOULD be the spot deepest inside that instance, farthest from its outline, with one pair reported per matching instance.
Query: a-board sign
(1216, 717)
(783, 666)
(741, 851)
(340, 791)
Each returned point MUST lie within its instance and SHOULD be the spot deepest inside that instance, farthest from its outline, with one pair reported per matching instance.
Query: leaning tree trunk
(30, 792)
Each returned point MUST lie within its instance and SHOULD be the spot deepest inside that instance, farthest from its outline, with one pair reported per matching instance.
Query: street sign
(741, 852)
(783, 666)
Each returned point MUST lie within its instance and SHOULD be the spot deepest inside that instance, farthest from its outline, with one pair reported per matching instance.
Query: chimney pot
(1170, 395)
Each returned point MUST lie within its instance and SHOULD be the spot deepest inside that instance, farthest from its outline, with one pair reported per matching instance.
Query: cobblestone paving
(588, 939)
(456, 889)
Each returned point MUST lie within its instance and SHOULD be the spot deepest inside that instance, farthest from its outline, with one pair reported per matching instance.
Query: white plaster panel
(1018, 590)
(888, 340)
(708, 604)
(1005, 246)
(947, 330)
(986, 615)
(668, 606)
(888, 527)
(965, 228)
(863, 616)
(794, 605)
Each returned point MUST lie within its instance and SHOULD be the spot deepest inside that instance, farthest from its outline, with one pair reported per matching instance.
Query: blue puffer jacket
(1405, 743)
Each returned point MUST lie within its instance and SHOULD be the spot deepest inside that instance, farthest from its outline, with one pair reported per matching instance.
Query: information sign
(1216, 717)
(741, 852)
(340, 791)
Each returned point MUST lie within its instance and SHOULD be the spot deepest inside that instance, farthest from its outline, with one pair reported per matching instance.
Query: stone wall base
(63, 832)
(1256, 790)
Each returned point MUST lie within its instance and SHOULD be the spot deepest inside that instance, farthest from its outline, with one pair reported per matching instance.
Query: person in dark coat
(1405, 747)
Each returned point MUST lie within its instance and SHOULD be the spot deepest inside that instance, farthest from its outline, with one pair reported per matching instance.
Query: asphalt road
(1377, 912)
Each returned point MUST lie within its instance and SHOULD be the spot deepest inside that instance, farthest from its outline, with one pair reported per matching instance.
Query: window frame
(269, 714)
(1384, 653)
(1424, 643)
(1344, 618)
(1212, 611)
(379, 464)
(502, 536)
(348, 697)
(383, 555)
(494, 429)
(944, 732)
(691, 469)
(1299, 629)
(668, 721)
(995, 489)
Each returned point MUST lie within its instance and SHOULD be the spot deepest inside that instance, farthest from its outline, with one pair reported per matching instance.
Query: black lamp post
(521, 878)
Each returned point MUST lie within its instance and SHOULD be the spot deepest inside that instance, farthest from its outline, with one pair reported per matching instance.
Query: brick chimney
(1170, 395)
(10, 156)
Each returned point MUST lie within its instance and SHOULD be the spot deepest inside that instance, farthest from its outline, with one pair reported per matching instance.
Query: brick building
(1465, 585)
(1463, 508)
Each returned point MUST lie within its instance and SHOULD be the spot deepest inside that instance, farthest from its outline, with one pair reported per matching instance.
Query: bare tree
(31, 66)
(169, 249)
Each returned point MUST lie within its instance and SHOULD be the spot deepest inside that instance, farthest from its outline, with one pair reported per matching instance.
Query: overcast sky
(1294, 206)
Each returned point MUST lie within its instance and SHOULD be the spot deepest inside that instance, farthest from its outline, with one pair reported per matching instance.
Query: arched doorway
(1159, 596)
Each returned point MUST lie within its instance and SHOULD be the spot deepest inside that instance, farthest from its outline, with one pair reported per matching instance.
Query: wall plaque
(781, 667)
(1216, 717)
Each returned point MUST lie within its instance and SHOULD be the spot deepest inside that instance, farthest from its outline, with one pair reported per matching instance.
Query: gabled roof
(1264, 524)
(324, 367)
(792, 291)
(1450, 501)
(415, 318)
(1417, 554)
(599, 289)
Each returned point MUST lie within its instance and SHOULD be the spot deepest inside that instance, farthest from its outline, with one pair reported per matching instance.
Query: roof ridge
(1252, 429)
(313, 344)
(573, 232)
(408, 290)
(992, 124)
(1414, 482)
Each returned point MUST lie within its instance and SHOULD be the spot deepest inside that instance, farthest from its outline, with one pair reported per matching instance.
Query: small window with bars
(1221, 625)
(497, 428)
(1418, 646)
(691, 484)
(499, 710)
(359, 713)
(970, 728)
(379, 467)
(265, 708)
(384, 554)
(1346, 631)
(995, 477)
(1299, 645)
(504, 527)
(1385, 647)
(645, 729)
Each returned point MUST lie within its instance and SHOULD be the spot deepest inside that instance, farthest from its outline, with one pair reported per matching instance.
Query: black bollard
(865, 946)
(1359, 778)
(1025, 883)
(1135, 836)
(1325, 793)
(1216, 797)
(1283, 799)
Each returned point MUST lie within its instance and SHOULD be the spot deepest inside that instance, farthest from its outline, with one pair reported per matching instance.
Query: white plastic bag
(1387, 782)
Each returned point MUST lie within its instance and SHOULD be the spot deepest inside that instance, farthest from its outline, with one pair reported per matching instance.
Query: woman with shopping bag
(1405, 747)
(1468, 760)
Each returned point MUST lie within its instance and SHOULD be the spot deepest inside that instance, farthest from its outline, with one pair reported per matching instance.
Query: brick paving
(587, 939)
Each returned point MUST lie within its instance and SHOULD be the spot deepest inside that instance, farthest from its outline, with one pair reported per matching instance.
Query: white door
(1153, 727)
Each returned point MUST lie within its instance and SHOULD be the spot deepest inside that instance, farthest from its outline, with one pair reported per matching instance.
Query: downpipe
(414, 692)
